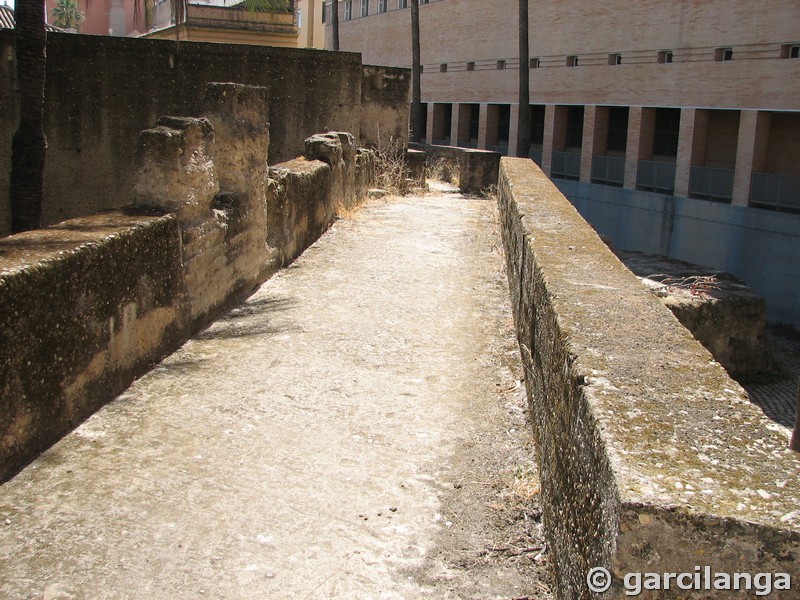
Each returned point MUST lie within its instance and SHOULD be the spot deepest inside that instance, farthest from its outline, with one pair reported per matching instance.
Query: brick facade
(724, 70)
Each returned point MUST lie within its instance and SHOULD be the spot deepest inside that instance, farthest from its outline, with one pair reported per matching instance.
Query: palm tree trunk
(524, 117)
(416, 78)
(335, 23)
(795, 442)
(29, 145)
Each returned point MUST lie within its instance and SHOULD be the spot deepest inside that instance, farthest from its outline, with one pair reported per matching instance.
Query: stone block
(338, 149)
(238, 114)
(300, 205)
(723, 313)
(174, 167)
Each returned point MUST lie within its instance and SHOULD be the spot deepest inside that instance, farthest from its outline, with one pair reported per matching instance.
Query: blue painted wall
(760, 247)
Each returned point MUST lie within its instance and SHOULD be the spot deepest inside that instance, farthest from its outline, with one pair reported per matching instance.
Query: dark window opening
(665, 56)
(324, 12)
(572, 61)
(534, 63)
(474, 121)
(537, 124)
(667, 128)
(470, 66)
(617, 129)
(503, 124)
(790, 51)
(443, 68)
(575, 127)
(615, 59)
(501, 64)
(723, 54)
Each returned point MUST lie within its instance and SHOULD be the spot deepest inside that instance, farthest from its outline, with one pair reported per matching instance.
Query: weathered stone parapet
(300, 206)
(238, 114)
(337, 149)
(652, 459)
(416, 161)
(477, 170)
(87, 305)
(174, 167)
(223, 234)
(364, 173)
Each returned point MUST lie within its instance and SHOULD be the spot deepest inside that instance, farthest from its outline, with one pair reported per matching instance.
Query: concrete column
(429, 121)
(683, 162)
(455, 133)
(482, 125)
(547, 141)
(751, 152)
(513, 124)
(632, 146)
(587, 143)
(641, 129)
(310, 17)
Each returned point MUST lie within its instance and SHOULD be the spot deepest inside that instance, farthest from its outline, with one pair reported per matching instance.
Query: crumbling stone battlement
(652, 459)
(477, 170)
(92, 302)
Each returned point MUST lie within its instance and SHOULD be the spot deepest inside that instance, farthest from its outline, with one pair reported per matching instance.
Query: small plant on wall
(67, 15)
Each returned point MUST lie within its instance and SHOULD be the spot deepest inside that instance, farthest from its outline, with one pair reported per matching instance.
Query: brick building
(685, 98)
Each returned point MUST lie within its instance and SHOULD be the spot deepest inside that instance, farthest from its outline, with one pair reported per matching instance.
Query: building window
(501, 64)
(615, 58)
(421, 69)
(470, 66)
(667, 130)
(402, 3)
(572, 61)
(348, 10)
(575, 127)
(364, 8)
(533, 63)
(723, 54)
(665, 56)
(324, 12)
(443, 68)
(790, 51)
(382, 6)
(617, 140)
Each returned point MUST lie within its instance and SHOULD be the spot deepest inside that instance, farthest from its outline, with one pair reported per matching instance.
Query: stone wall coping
(678, 431)
(30, 248)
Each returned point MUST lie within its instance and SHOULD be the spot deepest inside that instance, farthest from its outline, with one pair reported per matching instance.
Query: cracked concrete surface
(355, 429)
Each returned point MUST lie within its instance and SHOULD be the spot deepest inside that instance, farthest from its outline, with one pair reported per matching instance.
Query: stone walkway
(356, 430)
(778, 398)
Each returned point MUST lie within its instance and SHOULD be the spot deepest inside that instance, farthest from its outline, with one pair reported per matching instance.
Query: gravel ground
(355, 429)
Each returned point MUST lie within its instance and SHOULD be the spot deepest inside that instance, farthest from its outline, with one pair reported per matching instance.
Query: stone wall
(92, 302)
(476, 170)
(102, 91)
(87, 305)
(652, 459)
(385, 95)
(306, 194)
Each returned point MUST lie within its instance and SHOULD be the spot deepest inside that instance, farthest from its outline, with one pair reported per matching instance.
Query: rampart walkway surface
(355, 429)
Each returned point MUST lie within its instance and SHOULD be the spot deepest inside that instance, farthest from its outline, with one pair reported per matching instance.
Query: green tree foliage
(67, 15)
